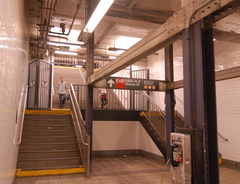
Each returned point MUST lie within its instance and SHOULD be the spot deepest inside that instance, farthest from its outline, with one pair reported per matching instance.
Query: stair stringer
(161, 145)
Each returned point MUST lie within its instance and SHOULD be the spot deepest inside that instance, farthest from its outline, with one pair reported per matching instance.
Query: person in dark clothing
(103, 97)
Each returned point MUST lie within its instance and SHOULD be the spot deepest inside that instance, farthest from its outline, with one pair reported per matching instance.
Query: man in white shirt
(61, 89)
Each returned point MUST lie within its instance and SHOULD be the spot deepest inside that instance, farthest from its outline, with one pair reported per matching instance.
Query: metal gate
(40, 85)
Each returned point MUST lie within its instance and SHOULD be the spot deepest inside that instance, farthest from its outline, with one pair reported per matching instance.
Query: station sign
(133, 84)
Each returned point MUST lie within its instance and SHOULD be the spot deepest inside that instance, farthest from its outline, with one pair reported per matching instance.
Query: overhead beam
(104, 33)
(159, 38)
(227, 36)
(133, 3)
(153, 16)
(221, 75)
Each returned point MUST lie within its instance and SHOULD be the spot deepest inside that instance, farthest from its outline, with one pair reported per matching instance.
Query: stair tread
(49, 143)
(40, 124)
(48, 159)
(51, 167)
(47, 136)
(48, 151)
(47, 130)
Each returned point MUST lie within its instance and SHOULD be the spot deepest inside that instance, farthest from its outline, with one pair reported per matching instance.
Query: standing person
(61, 89)
(103, 97)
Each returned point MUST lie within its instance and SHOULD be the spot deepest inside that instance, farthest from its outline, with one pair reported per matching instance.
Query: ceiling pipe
(74, 17)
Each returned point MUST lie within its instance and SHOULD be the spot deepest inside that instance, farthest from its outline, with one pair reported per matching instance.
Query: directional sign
(111, 82)
(134, 84)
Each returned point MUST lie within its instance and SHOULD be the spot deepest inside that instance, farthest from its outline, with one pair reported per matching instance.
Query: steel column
(89, 88)
(169, 98)
(211, 144)
(199, 96)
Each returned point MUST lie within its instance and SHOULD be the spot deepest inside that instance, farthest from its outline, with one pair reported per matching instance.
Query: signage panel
(134, 84)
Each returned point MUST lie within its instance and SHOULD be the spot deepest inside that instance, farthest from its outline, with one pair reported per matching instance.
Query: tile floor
(125, 170)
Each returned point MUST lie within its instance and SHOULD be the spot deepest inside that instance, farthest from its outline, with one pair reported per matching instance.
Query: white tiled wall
(121, 135)
(228, 94)
(228, 117)
(226, 55)
(13, 74)
(115, 135)
(146, 143)
(156, 65)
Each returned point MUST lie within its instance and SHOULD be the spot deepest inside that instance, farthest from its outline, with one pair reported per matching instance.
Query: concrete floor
(125, 170)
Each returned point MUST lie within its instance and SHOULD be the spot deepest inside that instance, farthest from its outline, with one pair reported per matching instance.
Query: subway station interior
(152, 91)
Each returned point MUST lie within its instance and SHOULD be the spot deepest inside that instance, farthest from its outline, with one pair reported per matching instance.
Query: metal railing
(20, 115)
(117, 99)
(80, 128)
(155, 116)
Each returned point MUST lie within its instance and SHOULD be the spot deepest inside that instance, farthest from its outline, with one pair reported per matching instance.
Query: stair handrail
(220, 135)
(84, 81)
(20, 115)
(152, 102)
(81, 132)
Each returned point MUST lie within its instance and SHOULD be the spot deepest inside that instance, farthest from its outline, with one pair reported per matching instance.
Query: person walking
(103, 97)
(61, 90)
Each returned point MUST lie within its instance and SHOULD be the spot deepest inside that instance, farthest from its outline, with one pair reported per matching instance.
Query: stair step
(48, 146)
(47, 127)
(47, 117)
(48, 139)
(27, 133)
(51, 167)
(48, 121)
(48, 154)
(48, 159)
(43, 163)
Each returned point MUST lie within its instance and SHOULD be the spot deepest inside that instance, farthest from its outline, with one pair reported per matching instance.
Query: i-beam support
(200, 98)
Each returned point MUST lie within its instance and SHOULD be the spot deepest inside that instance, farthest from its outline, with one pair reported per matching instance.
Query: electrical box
(181, 167)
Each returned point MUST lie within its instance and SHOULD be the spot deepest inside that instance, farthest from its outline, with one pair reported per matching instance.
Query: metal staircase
(154, 122)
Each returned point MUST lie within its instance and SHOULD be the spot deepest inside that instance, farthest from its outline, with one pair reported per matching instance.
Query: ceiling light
(64, 44)
(112, 57)
(78, 66)
(97, 15)
(115, 49)
(66, 52)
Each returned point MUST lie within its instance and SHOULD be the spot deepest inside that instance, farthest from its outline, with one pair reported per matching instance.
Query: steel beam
(166, 34)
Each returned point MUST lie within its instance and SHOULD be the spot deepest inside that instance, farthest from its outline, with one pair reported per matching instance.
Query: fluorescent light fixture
(97, 15)
(78, 66)
(63, 44)
(112, 57)
(115, 49)
(66, 52)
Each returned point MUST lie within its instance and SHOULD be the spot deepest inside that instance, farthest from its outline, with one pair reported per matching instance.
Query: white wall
(228, 106)
(228, 117)
(156, 66)
(13, 74)
(115, 135)
(121, 135)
